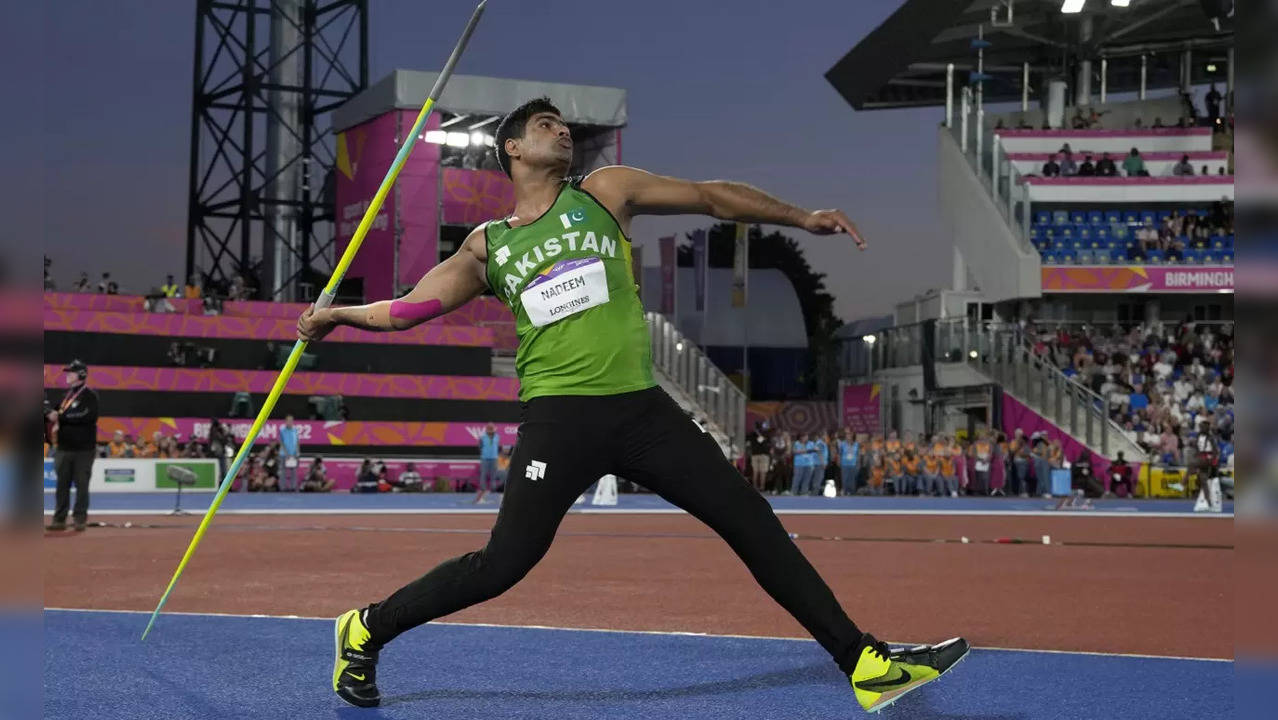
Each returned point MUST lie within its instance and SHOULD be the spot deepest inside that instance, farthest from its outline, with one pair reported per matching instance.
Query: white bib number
(570, 287)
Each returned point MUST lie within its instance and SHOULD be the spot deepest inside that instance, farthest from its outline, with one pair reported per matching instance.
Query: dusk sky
(712, 95)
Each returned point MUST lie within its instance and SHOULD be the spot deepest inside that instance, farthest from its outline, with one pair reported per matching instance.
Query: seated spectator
(1139, 124)
(1158, 123)
(1083, 478)
(151, 448)
(1134, 164)
(1183, 168)
(951, 456)
(82, 285)
(117, 447)
(1146, 239)
(1024, 124)
(1094, 119)
(105, 283)
(1069, 168)
(912, 473)
(365, 479)
(1080, 121)
(1051, 168)
(409, 480)
(1204, 171)
(1106, 167)
(931, 476)
(316, 478)
(1087, 169)
(1120, 479)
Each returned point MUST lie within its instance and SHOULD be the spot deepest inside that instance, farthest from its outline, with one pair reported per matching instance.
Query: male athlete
(590, 405)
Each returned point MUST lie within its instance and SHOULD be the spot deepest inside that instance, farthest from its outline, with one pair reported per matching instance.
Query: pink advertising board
(417, 207)
(1138, 278)
(473, 196)
(216, 380)
(407, 223)
(250, 328)
(859, 408)
(1017, 415)
(316, 432)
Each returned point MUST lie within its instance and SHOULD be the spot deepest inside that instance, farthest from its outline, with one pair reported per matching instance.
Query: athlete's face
(546, 142)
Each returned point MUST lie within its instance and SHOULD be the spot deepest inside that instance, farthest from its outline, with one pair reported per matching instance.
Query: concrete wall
(1003, 268)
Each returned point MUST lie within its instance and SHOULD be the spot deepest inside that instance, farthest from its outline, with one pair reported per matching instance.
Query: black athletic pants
(565, 444)
(74, 467)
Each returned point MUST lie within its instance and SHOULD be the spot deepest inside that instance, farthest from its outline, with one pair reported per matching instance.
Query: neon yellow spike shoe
(883, 676)
(355, 663)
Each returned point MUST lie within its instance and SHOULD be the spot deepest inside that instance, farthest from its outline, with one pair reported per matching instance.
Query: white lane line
(670, 511)
(674, 633)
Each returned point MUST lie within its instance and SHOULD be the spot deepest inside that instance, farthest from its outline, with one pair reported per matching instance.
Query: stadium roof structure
(902, 62)
(478, 96)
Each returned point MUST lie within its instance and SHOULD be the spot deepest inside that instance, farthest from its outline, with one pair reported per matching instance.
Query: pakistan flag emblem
(572, 217)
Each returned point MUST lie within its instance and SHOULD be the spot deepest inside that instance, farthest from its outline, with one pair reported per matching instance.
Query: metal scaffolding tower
(266, 75)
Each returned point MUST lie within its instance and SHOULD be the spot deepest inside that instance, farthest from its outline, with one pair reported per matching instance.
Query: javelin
(325, 299)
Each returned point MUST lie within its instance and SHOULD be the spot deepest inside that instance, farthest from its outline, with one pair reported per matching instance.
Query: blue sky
(713, 93)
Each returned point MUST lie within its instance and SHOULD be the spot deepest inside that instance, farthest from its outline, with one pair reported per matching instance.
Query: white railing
(722, 402)
(998, 175)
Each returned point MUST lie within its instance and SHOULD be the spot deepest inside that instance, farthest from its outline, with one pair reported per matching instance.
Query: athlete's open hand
(831, 222)
(313, 325)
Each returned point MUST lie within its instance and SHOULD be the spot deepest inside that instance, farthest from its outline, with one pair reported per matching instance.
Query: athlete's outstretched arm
(443, 289)
(632, 192)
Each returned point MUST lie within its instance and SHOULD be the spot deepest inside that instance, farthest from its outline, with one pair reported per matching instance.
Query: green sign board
(204, 474)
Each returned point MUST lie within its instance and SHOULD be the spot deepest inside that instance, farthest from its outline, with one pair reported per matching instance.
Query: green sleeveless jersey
(567, 278)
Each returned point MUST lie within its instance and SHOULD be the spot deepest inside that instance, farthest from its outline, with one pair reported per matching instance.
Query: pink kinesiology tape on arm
(416, 312)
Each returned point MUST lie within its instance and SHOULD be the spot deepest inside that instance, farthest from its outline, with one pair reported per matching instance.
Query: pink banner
(859, 408)
(425, 387)
(1017, 415)
(316, 432)
(268, 328)
(417, 208)
(1125, 181)
(1147, 156)
(1143, 132)
(487, 312)
(364, 154)
(1135, 278)
(473, 196)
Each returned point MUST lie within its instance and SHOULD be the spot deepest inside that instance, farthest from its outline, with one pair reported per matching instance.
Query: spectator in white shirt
(1181, 389)
(1162, 369)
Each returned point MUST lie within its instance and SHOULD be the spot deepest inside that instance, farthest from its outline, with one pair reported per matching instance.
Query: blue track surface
(455, 502)
(242, 667)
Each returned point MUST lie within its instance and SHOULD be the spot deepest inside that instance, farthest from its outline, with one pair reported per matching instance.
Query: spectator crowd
(1169, 386)
(987, 464)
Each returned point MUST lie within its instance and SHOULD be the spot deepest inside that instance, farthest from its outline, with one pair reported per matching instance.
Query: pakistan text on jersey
(574, 303)
(552, 247)
(569, 284)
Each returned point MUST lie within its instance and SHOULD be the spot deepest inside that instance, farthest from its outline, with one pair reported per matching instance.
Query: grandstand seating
(1106, 236)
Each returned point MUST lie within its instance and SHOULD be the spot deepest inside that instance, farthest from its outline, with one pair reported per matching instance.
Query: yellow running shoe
(883, 676)
(355, 663)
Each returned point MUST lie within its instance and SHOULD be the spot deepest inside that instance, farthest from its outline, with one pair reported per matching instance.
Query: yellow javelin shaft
(325, 299)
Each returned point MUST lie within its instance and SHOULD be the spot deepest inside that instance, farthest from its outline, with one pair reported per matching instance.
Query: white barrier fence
(141, 475)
